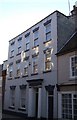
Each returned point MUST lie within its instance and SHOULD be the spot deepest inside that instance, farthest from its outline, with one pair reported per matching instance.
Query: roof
(56, 11)
(70, 45)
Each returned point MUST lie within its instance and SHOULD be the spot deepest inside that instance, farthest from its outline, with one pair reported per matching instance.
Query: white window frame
(71, 67)
(72, 93)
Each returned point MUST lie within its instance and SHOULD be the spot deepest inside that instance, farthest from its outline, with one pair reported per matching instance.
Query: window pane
(67, 106)
(48, 60)
(27, 46)
(48, 27)
(48, 36)
(75, 106)
(36, 42)
(22, 97)
(26, 70)
(35, 64)
(74, 66)
(36, 34)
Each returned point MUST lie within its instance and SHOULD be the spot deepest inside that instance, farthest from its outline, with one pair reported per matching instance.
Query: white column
(30, 103)
(39, 103)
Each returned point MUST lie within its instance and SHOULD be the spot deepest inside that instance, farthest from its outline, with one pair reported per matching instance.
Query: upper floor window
(73, 66)
(19, 41)
(48, 30)
(47, 60)
(12, 53)
(18, 68)
(27, 37)
(35, 64)
(12, 49)
(26, 67)
(19, 50)
(36, 35)
(11, 70)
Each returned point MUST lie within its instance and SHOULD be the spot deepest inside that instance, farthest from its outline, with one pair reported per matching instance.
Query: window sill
(11, 56)
(46, 71)
(35, 46)
(22, 109)
(11, 107)
(17, 77)
(46, 41)
(26, 50)
(34, 74)
(25, 76)
(18, 54)
(10, 78)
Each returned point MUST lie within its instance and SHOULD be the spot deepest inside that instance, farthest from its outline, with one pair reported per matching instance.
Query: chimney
(74, 14)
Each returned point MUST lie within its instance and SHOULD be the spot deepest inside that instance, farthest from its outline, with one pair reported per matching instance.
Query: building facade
(32, 67)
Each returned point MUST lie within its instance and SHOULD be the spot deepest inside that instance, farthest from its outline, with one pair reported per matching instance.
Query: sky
(17, 16)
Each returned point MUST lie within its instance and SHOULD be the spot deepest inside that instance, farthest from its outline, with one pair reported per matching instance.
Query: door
(50, 105)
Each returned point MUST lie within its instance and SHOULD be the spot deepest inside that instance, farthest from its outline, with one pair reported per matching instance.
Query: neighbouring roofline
(72, 38)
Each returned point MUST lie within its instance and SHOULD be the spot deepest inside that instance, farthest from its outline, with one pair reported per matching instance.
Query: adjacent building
(67, 76)
(32, 67)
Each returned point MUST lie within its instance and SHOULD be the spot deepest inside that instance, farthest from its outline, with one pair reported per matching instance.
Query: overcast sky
(18, 15)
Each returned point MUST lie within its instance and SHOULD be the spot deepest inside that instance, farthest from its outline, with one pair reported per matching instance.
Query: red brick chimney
(74, 15)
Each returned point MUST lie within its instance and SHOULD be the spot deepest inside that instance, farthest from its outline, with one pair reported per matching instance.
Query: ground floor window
(69, 106)
(12, 97)
(22, 97)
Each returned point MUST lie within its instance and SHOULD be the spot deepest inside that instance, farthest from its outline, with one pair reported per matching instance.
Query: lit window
(73, 65)
(22, 97)
(48, 60)
(26, 70)
(48, 32)
(35, 64)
